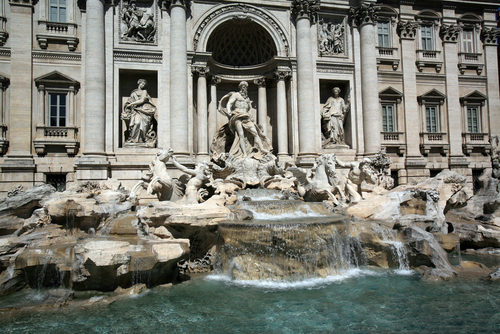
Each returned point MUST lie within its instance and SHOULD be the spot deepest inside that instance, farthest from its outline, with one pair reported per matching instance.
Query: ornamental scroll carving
(331, 38)
(450, 32)
(138, 22)
(364, 14)
(407, 29)
(490, 35)
(239, 10)
(305, 8)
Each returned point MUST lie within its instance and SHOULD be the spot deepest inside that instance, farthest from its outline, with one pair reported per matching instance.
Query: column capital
(449, 33)
(4, 82)
(305, 9)
(490, 36)
(364, 14)
(282, 74)
(215, 80)
(261, 82)
(407, 29)
(167, 4)
(201, 71)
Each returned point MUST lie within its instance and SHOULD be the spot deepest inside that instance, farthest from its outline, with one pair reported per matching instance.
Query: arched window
(241, 42)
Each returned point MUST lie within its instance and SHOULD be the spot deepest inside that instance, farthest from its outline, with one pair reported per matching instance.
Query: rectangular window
(58, 10)
(384, 34)
(467, 42)
(431, 119)
(388, 120)
(427, 37)
(473, 119)
(57, 108)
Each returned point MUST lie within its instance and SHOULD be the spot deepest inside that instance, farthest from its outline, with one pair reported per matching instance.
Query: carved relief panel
(332, 36)
(138, 22)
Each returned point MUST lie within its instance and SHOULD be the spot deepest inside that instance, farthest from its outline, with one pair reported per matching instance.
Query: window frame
(56, 4)
(431, 38)
(58, 106)
(429, 126)
(388, 25)
(385, 115)
(478, 117)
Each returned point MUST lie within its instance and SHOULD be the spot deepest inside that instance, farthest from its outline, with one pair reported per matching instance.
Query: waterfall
(398, 248)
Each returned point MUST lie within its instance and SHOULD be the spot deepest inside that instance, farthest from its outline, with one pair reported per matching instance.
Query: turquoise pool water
(361, 301)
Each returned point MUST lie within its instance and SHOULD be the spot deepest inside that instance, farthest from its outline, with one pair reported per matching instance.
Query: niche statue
(139, 116)
(332, 119)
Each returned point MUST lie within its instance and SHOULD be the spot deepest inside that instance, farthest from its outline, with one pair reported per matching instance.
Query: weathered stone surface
(198, 223)
(23, 203)
(474, 235)
(9, 224)
(58, 297)
(423, 204)
(162, 232)
(424, 250)
(495, 276)
(133, 290)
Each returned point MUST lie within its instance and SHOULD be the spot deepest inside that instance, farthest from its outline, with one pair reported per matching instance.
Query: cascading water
(398, 248)
(286, 241)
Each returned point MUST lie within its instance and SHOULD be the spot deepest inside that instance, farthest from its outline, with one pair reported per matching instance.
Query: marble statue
(321, 182)
(241, 136)
(330, 38)
(195, 188)
(140, 24)
(358, 172)
(138, 114)
(157, 180)
(332, 119)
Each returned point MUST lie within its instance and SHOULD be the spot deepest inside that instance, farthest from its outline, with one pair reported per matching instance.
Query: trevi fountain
(245, 243)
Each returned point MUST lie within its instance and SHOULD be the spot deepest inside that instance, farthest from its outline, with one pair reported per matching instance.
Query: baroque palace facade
(419, 79)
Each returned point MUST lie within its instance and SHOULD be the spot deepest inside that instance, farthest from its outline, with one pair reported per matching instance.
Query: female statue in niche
(139, 113)
(332, 119)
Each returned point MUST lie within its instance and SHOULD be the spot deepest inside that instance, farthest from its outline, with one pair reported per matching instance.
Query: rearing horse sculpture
(322, 181)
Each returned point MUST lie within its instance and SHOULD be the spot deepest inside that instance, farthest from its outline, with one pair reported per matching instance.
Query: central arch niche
(241, 42)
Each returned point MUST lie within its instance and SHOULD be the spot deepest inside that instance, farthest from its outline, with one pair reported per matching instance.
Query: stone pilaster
(407, 32)
(262, 104)
(309, 132)
(202, 111)
(4, 143)
(179, 118)
(449, 35)
(281, 77)
(19, 168)
(365, 18)
(212, 108)
(490, 37)
(93, 165)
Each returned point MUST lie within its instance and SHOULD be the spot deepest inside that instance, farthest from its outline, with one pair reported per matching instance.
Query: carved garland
(239, 10)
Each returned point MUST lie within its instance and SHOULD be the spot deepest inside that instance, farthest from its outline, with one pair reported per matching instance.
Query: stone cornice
(28, 3)
(490, 36)
(145, 56)
(364, 14)
(73, 56)
(407, 29)
(305, 9)
(450, 32)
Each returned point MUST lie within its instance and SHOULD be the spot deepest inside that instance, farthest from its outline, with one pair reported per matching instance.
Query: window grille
(427, 37)
(384, 34)
(431, 119)
(473, 119)
(388, 121)
(57, 107)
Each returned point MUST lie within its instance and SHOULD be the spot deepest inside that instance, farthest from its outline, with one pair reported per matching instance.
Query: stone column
(71, 107)
(202, 111)
(365, 18)
(3, 142)
(305, 12)
(93, 164)
(450, 36)
(179, 118)
(262, 104)
(41, 105)
(212, 108)
(281, 76)
(489, 37)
